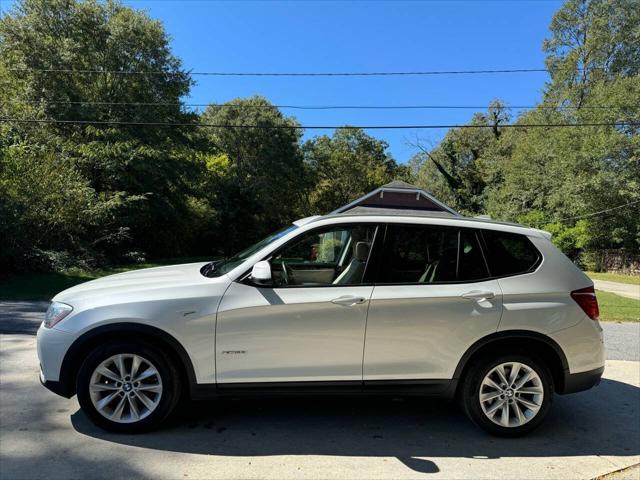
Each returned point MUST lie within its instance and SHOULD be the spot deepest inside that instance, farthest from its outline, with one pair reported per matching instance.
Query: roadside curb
(631, 472)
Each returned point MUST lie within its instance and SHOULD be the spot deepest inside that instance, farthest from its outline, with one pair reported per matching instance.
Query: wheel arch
(517, 341)
(88, 341)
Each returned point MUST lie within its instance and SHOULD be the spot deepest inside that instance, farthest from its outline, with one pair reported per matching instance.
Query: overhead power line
(593, 214)
(314, 127)
(282, 74)
(319, 107)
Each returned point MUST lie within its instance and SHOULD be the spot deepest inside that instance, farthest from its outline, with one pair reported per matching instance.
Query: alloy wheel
(125, 388)
(511, 394)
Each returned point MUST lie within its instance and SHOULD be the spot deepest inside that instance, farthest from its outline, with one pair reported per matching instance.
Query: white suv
(490, 313)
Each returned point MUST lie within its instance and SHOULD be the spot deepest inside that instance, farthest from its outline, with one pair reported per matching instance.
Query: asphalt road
(21, 317)
(624, 289)
(45, 436)
(622, 340)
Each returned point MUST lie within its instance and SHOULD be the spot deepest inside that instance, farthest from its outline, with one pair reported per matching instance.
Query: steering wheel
(285, 273)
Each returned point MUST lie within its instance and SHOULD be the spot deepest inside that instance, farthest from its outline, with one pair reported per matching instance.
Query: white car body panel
(52, 345)
(176, 299)
(422, 331)
(297, 334)
(583, 345)
(290, 334)
(540, 301)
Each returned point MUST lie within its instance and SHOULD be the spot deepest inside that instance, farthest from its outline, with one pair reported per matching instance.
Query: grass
(614, 308)
(615, 277)
(43, 286)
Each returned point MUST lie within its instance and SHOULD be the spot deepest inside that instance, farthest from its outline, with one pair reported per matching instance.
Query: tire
(137, 403)
(490, 414)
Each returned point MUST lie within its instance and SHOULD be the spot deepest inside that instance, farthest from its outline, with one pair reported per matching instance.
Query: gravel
(622, 340)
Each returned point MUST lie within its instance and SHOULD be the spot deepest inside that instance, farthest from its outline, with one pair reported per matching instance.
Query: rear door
(432, 300)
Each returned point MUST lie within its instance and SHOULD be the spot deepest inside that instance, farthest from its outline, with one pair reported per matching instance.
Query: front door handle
(348, 300)
(478, 295)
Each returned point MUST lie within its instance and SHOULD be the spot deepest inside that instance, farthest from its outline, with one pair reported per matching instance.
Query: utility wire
(280, 74)
(320, 107)
(600, 212)
(314, 127)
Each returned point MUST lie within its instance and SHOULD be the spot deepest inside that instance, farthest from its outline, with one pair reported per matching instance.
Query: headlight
(56, 312)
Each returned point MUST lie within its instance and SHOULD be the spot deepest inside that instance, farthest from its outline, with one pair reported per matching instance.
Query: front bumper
(56, 387)
(52, 347)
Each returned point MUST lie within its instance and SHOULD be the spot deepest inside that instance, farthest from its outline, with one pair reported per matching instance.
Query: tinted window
(419, 254)
(335, 256)
(509, 253)
(472, 265)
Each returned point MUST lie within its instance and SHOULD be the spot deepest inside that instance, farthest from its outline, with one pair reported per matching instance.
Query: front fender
(89, 340)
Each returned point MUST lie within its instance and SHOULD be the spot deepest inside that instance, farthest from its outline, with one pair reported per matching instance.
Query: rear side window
(509, 253)
(419, 254)
(472, 265)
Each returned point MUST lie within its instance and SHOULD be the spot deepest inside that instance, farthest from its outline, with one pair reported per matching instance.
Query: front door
(432, 301)
(309, 326)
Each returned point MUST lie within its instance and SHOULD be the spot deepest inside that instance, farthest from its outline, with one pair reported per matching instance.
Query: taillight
(586, 298)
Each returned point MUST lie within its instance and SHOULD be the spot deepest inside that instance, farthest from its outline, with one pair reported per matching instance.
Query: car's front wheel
(508, 396)
(127, 387)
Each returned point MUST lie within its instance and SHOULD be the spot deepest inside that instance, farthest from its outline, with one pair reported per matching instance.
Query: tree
(345, 167)
(591, 41)
(260, 184)
(456, 170)
(559, 178)
(143, 170)
(107, 39)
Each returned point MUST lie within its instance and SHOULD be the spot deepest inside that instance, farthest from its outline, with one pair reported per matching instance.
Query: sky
(361, 36)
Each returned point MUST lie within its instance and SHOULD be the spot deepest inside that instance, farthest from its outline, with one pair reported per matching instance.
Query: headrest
(362, 251)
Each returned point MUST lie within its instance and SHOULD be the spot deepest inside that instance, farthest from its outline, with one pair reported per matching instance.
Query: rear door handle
(478, 295)
(348, 300)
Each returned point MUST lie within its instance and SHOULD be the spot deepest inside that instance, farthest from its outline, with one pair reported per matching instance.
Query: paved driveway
(21, 317)
(45, 436)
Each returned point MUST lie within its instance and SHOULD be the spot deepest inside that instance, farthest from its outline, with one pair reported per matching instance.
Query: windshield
(215, 269)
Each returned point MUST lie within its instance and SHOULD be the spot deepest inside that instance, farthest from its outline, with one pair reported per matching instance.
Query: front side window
(334, 256)
(509, 253)
(419, 254)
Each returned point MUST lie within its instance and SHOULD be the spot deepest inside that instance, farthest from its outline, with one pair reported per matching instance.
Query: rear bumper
(578, 382)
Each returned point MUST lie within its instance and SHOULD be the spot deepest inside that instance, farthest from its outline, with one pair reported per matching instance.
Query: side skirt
(438, 388)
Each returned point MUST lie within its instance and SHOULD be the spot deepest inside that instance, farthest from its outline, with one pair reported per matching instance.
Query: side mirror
(261, 273)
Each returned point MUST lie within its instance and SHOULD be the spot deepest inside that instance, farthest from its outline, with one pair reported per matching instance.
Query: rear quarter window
(509, 253)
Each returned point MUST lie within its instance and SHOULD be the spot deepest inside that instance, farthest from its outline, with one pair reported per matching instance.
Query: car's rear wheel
(127, 387)
(508, 396)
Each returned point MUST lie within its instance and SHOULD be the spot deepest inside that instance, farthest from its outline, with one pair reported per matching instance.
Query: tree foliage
(559, 179)
(457, 170)
(259, 186)
(345, 167)
(140, 171)
(83, 194)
